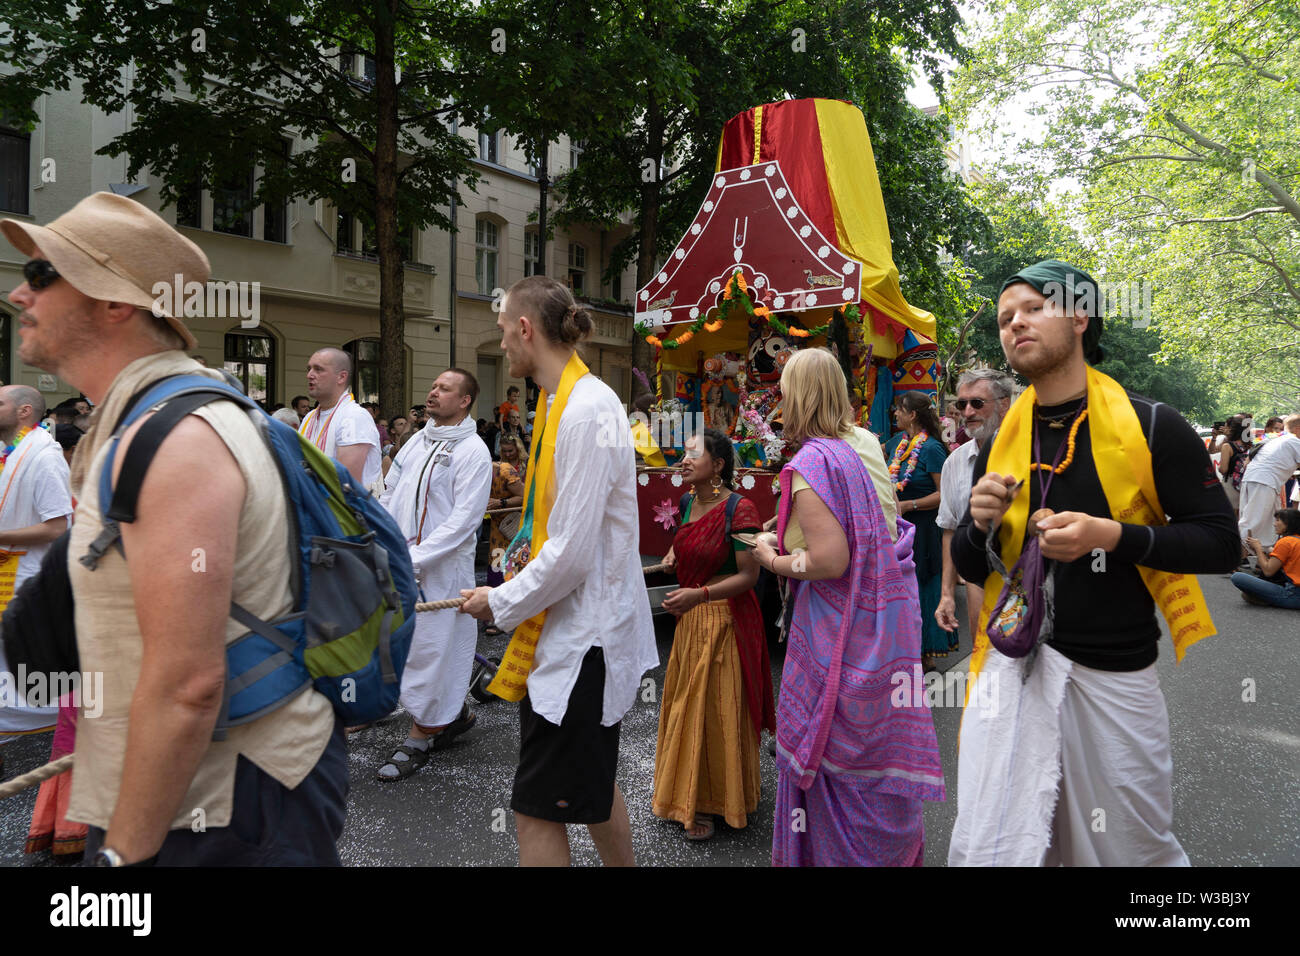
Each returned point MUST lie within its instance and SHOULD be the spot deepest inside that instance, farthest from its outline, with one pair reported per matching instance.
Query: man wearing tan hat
(153, 618)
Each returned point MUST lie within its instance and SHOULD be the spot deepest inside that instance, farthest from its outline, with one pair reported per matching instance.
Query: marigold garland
(1069, 447)
(731, 300)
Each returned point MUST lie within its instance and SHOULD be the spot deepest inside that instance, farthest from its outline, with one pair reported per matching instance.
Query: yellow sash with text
(511, 680)
(1123, 462)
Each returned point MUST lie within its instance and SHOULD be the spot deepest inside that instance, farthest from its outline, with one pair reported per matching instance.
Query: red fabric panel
(793, 124)
(738, 140)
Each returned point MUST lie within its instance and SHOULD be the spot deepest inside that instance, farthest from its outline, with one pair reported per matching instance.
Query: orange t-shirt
(505, 410)
(1287, 550)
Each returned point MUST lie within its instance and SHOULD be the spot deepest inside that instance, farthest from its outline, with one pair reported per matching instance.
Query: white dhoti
(437, 490)
(1071, 767)
(1255, 511)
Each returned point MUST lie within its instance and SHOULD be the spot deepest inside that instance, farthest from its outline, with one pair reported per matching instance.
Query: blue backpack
(353, 585)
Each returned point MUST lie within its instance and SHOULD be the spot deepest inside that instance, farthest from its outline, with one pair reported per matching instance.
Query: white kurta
(437, 490)
(33, 489)
(347, 423)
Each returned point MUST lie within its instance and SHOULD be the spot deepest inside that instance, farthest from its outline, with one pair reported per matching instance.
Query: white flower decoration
(846, 294)
(695, 229)
(677, 481)
(811, 298)
(643, 479)
(680, 253)
(695, 312)
(805, 231)
(780, 192)
(720, 181)
(779, 302)
(824, 251)
(848, 268)
(715, 287)
(747, 482)
(769, 171)
(708, 205)
(744, 174)
(792, 212)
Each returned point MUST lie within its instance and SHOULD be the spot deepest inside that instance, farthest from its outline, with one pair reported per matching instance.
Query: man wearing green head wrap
(1126, 508)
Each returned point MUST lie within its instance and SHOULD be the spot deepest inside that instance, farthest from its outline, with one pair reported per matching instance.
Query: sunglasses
(975, 403)
(39, 273)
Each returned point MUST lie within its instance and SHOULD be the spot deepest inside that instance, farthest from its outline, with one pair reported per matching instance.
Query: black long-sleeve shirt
(1106, 619)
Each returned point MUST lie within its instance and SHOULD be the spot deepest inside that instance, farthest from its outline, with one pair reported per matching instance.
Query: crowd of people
(869, 548)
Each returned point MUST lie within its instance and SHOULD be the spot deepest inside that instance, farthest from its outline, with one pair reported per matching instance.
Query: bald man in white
(35, 504)
(339, 426)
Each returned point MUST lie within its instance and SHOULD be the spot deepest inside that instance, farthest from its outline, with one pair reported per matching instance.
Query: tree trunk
(543, 150)
(393, 393)
(642, 355)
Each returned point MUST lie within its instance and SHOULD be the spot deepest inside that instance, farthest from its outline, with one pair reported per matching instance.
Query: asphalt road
(1236, 768)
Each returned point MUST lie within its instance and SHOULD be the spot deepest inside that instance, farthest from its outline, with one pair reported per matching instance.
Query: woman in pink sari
(852, 768)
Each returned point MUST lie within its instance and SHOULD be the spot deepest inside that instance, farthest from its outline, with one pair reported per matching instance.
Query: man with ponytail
(574, 596)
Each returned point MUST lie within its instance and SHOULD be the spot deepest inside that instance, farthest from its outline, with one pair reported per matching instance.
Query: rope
(503, 511)
(656, 568)
(20, 783)
(440, 605)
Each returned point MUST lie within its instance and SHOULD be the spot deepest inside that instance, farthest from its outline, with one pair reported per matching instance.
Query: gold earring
(717, 482)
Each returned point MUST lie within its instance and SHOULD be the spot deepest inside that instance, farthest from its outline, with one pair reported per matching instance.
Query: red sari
(701, 550)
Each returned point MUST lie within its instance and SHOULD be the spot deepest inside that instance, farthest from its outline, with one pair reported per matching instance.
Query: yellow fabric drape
(646, 446)
(1123, 462)
(511, 679)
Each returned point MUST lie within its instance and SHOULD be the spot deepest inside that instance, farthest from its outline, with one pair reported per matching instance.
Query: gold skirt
(706, 760)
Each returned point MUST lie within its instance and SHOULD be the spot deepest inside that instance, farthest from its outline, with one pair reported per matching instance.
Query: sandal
(704, 824)
(493, 631)
(415, 759)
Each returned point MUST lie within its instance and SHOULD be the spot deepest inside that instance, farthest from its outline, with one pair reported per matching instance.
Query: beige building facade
(311, 273)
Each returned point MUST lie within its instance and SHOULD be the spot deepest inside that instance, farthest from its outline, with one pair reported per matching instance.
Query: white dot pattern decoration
(848, 268)
(677, 481)
(695, 312)
(779, 302)
(792, 212)
(715, 286)
(846, 294)
(744, 174)
(747, 481)
(708, 205)
(780, 192)
(663, 277)
(805, 231)
(680, 253)
(811, 298)
(823, 252)
(645, 295)
(769, 171)
(643, 479)
(759, 282)
(695, 229)
(720, 181)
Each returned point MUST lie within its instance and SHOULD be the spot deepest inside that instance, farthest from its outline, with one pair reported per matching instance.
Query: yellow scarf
(1123, 462)
(539, 493)
(646, 447)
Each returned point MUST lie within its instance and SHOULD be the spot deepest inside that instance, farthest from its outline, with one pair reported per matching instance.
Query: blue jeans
(1279, 595)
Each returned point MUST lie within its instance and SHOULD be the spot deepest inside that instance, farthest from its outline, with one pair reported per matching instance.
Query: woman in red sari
(718, 688)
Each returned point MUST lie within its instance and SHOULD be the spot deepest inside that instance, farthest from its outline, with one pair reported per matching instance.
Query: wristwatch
(107, 856)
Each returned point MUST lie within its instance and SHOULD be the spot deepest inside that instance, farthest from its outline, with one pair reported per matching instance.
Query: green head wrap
(1072, 289)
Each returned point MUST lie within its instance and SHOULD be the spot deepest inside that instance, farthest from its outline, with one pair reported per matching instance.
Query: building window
(534, 167)
(345, 229)
(250, 357)
(489, 145)
(575, 154)
(578, 268)
(532, 252)
(232, 205)
(189, 204)
(365, 369)
(275, 219)
(15, 167)
(6, 326)
(616, 287)
(485, 255)
(368, 71)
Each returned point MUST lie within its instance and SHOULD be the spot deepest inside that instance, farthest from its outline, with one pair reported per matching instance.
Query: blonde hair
(815, 398)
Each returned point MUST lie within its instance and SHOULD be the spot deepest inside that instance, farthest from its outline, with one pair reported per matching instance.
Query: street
(1236, 769)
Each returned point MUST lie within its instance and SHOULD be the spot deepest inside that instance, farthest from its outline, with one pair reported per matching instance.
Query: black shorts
(566, 773)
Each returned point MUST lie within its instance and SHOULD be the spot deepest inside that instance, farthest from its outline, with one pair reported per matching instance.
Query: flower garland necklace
(9, 449)
(911, 450)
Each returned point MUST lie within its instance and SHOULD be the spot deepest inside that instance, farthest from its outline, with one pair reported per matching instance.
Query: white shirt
(954, 485)
(589, 571)
(34, 489)
(347, 423)
(1275, 461)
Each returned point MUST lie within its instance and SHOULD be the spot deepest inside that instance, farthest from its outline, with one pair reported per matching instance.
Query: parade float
(790, 249)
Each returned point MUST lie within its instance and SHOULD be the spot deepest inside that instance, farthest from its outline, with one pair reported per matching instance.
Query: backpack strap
(183, 394)
(732, 502)
(681, 507)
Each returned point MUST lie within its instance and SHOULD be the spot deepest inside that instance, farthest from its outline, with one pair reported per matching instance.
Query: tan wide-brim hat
(112, 248)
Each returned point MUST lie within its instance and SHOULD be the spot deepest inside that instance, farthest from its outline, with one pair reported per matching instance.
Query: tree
(1178, 122)
(214, 87)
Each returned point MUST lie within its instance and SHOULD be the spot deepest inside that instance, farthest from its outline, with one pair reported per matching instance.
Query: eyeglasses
(39, 273)
(975, 403)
